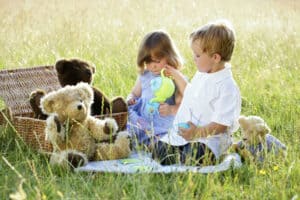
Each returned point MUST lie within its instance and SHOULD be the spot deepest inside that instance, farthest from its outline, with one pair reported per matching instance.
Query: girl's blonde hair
(158, 44)
(217, 37)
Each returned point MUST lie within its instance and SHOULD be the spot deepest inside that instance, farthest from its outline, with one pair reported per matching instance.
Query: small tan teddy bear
(256, 140)
(76, 136)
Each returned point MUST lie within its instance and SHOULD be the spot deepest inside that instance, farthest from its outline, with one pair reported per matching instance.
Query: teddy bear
(76, 136)
(256, 140)
(71, 72)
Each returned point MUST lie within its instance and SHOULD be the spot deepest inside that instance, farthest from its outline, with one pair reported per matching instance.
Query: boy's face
(156, 65)
(203, 61)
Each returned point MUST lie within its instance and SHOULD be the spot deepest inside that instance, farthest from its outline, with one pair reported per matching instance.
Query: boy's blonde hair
(158, 44)
(217, 37)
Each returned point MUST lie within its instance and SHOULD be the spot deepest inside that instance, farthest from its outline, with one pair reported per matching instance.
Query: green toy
(130, 161)
(163, 88)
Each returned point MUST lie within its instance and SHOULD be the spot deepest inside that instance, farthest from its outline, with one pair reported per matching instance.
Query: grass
(265, 65)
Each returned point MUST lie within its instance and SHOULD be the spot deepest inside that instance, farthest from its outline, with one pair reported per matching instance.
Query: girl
(156, 51)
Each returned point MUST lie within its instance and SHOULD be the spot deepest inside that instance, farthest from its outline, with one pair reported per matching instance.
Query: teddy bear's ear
(93, 68)
(48, 103)
(243, 121)
(61, 65)
(263, 129)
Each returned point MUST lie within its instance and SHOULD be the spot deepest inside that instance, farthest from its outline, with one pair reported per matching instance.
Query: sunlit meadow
(266, 66)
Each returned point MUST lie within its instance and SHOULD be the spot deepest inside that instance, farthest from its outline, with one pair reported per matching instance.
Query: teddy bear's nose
(79, 107)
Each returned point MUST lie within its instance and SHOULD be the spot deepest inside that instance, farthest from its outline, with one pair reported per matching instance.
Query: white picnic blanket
(141, 162)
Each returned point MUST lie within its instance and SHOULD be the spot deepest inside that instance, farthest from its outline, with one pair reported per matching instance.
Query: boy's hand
(188, 133)
(178, 78)
(165, 109)
(171, 71)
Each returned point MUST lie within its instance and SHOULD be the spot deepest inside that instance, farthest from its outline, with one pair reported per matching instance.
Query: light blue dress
(155, 125)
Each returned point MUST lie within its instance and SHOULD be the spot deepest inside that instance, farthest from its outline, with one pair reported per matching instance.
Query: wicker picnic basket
(15, 88)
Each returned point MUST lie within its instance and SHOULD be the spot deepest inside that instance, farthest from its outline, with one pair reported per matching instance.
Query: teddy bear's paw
(123, 134)
(123, 141)
(68, 159)
(110, 126)
(77, 159)
(34, 101)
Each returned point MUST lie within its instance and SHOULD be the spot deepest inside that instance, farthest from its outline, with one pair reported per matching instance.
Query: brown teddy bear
(71, 72)
(256, 140)
(76, 136)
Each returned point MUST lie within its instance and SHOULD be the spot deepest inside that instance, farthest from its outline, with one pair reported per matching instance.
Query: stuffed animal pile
(71, 72)
(76, 136)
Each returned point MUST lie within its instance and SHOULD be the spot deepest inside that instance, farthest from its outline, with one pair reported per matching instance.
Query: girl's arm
(194, 132)
(135, 92)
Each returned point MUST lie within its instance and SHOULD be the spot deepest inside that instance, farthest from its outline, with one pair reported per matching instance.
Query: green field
(266, 66)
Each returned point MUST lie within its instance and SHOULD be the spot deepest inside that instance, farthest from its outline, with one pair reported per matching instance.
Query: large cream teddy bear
(257, 141)
(76, 136)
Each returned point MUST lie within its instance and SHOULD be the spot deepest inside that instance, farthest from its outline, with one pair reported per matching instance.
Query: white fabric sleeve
(227, 107)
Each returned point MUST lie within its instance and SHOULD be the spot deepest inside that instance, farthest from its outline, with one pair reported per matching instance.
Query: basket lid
(17, 84)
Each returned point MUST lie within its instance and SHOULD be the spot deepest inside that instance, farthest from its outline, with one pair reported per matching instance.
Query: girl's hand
(131, 101)
(188, 133)
(165, 109)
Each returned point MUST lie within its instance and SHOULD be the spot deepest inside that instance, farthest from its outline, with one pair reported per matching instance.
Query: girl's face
(203, 61)
(156, 65)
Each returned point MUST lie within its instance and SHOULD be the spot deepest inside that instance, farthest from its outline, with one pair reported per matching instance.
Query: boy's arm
(178, 78)
(194, 132)
(212, 128)
(180, 82)
(178, 99)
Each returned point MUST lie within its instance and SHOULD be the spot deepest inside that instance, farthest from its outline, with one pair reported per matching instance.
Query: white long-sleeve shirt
(209, 97)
